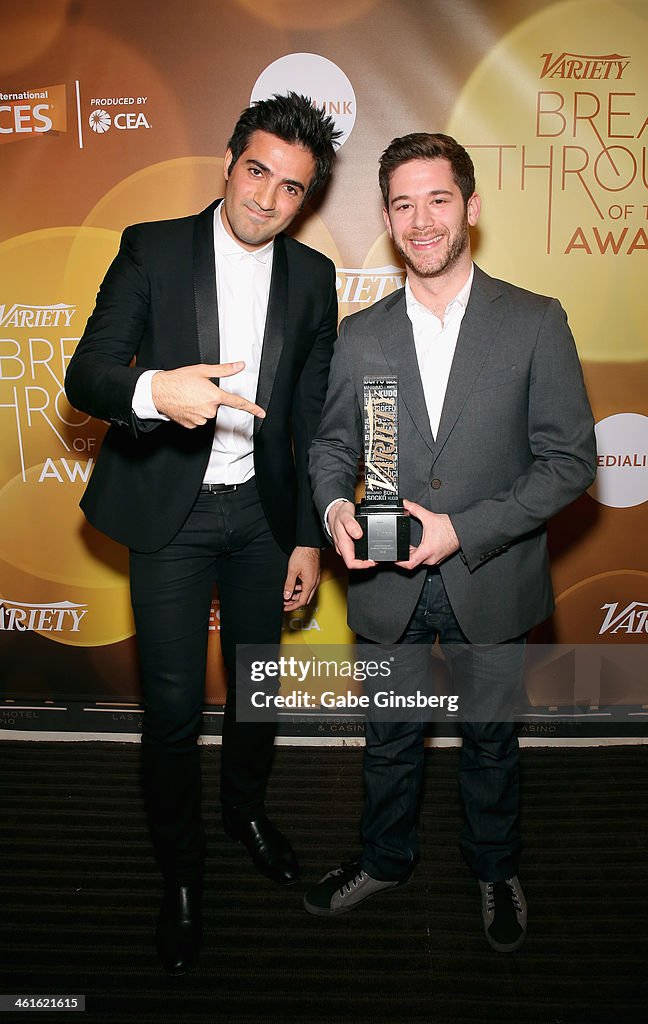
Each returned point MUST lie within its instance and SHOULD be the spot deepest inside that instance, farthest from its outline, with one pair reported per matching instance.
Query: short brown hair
(427, 146)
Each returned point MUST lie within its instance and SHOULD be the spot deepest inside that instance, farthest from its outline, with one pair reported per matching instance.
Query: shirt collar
(225, 245)
(461, 298)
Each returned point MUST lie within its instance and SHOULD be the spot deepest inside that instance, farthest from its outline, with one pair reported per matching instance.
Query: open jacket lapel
(205, 297)
(479, 328)
(397, 343)
(275, 327)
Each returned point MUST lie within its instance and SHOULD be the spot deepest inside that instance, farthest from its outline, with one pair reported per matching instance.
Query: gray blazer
(515, 445)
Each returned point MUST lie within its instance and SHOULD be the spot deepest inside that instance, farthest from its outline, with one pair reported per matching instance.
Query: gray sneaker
(343, 889)
(504, 912)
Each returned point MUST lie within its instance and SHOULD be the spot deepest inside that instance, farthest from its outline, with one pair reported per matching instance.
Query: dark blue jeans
(485, 677)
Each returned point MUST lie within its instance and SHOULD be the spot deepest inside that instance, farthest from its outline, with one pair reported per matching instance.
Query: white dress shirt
(243, 287)
(435, 342)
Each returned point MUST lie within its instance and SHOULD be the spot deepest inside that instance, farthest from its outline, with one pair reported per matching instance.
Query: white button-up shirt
(243, 288)
(435, 342)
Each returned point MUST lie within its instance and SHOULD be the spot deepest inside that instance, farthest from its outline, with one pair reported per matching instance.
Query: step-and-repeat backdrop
(112, 113)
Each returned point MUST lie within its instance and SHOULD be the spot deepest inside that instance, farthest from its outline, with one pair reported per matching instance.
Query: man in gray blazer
(495, 437)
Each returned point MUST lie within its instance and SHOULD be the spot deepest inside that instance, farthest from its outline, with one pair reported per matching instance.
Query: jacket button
(436, 483)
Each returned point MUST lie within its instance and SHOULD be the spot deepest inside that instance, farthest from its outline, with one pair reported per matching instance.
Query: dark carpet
(79, 896)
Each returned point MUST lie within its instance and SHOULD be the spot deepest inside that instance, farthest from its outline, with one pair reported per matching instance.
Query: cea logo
(100, 121)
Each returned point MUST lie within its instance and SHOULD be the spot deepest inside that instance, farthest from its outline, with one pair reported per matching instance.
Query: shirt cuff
(336, 501)
(143, 405)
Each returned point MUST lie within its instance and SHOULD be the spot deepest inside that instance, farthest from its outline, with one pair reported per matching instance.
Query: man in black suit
(208, 351)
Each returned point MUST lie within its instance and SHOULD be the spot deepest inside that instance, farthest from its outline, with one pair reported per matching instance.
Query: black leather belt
(220, 488)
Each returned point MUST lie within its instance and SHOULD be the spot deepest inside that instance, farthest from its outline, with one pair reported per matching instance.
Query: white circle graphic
(622, 446)
(312, 75)
(100, 121)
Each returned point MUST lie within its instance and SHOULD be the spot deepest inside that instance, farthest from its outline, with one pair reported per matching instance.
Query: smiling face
(428, 220)
(265, 188)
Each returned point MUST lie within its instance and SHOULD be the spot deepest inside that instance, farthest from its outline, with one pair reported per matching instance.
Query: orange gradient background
(473, 70)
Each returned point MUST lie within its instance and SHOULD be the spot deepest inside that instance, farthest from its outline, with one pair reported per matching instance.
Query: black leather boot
(269, 850)
(179, 927)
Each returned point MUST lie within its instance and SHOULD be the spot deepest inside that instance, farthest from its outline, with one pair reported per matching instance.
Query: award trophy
(385, 523)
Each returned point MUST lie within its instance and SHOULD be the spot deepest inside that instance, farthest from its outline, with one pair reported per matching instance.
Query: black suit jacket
(157, 308)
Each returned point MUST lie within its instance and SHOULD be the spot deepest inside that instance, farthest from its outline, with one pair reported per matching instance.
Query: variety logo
(582, 66)
(631, 619)
(58, 314)
(32, 112)
(364, 287)
(57, 617)
(311, 75)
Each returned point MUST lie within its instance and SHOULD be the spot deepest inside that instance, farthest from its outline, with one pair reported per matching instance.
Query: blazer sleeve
(561, 440)
(306, 412)
(335, 451)
(101, 377)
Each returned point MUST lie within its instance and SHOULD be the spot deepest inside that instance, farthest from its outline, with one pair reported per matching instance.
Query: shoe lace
(350, 874)
(514, 896)
(490, 896)
(510, 891)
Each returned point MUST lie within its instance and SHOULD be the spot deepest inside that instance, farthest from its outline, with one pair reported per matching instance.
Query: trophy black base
(385, 533)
